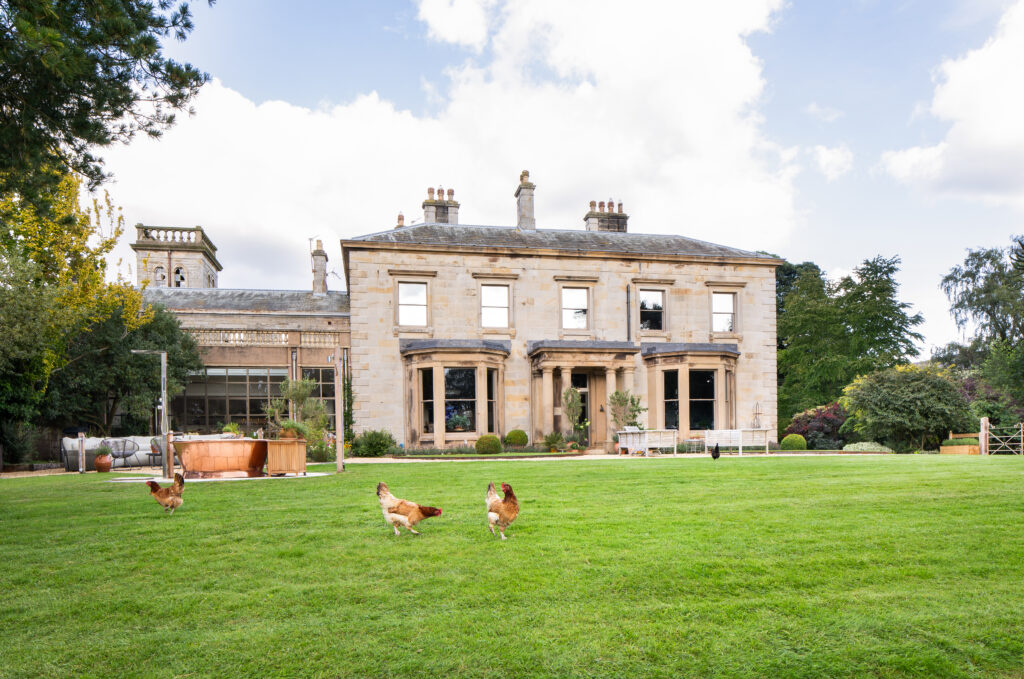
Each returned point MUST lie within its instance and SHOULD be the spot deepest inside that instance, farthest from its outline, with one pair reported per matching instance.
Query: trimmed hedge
(488, 444)
(516, 437)
(866, 447)
(373, 443)
(793, 442)
(960, 442)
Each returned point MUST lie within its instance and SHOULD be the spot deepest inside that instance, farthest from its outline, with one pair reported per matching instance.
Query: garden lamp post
(164, 430)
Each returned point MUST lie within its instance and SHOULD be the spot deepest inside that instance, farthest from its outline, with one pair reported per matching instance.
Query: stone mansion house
(453, 331)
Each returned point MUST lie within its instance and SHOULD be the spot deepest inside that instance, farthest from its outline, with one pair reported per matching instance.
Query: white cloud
(662, 115)
(824, 113)
(833, 162)
(981, 95)
(462, 22)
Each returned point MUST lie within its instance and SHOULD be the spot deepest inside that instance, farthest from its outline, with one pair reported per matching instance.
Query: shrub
(488, 444)
(373, 443)
(906, 406)
(554, 440)
(960, 442)
(231, 428)
(319, 450)
(820, 427)
(866, 447)
(516, 437)
(794, 442)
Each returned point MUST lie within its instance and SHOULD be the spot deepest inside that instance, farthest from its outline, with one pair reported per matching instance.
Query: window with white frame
(159, 275)
(575, 305)
(412, 304)
(652, 309)
(723, 312)
(494, 306)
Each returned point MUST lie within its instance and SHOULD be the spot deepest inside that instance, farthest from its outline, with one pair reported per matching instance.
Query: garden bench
(645, 441)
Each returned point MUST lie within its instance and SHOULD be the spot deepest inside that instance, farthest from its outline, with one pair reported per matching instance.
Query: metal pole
(81, 452)
(165, 430)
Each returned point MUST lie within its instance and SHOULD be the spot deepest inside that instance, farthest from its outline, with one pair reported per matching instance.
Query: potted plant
(103, 460)
(232, 428)
(290, 429)
(554, 441)
(458, 422)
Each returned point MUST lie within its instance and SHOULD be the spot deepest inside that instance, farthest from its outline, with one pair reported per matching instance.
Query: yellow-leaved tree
(53, 284)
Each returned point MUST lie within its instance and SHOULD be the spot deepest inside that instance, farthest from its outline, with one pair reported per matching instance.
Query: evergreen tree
(833, 332)
(78, 74)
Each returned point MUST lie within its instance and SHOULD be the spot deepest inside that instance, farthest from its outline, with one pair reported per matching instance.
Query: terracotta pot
(103, 463)
(290, 434)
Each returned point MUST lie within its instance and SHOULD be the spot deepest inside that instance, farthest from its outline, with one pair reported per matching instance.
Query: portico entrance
(596, 368)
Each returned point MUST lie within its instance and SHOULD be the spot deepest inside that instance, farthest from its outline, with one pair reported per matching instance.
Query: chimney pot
(440, 193)
(593, 205)
(319, 269)
(451, 194)
(401, 220)
(600, 206)
(524, 202)
(430, 193)
(620, 207)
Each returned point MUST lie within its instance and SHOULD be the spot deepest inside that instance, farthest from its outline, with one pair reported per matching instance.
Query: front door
(581, 382)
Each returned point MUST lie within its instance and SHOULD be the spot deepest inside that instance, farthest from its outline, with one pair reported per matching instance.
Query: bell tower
(175, 257)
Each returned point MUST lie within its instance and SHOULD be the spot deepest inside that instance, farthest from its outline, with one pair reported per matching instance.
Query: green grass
(894, 566)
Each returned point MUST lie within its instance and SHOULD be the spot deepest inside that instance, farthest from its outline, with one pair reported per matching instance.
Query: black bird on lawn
(714, 452)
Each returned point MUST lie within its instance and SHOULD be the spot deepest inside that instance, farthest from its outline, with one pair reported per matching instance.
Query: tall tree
(986, 293)
(108, 378)
(78, 74)
(833, 332)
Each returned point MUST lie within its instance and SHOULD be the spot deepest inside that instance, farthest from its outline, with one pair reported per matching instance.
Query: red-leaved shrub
(820, 426)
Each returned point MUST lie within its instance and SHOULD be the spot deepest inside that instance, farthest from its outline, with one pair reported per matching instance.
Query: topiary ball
(516, 437)
(488, 444)
(793, 442)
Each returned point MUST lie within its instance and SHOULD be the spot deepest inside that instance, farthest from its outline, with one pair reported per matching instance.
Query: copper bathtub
(222, 458)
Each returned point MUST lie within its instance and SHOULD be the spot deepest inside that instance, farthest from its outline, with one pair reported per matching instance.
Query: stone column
(563, 422)
(438, 406)
(481, 399)
(547, 413)
(609, 389)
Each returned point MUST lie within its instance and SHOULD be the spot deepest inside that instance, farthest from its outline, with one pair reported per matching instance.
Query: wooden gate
(1006, 440)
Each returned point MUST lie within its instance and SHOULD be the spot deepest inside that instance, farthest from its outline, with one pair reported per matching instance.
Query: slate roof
(266, 301)
(407, 345)
(651, 348)
(459, 235)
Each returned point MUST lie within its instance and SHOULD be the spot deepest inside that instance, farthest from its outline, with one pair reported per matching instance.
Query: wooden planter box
(960, 450)
(286, 456)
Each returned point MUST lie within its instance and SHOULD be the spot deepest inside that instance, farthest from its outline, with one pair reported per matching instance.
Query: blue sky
(823, 131)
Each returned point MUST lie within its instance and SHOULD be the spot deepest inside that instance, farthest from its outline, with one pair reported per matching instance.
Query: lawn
(892, 566)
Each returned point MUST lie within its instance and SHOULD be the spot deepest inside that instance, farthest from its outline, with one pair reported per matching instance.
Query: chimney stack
(319, 269)
(438, 210)
(602, 218)
(401, 221)
(524, 202)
